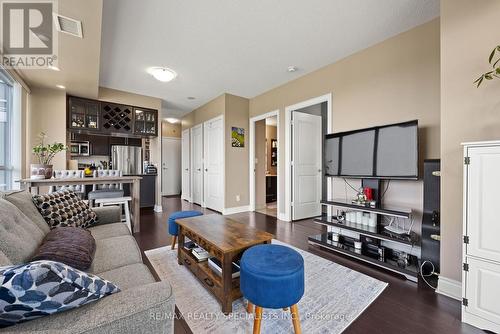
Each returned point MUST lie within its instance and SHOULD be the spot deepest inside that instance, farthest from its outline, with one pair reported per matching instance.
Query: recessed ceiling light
(162, 74)
(172, 120)
(54, 68)
(61, 86)
(292, 69)
(191, 97)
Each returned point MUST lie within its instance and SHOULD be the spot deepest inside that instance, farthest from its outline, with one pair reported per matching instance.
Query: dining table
(33, 185)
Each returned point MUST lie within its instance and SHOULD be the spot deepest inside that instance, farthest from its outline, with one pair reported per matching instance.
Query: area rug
(334, 297)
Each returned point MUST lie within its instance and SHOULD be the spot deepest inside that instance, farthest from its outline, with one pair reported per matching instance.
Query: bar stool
(111, 190)
(272, 276)
(118, 201)
(173, 228)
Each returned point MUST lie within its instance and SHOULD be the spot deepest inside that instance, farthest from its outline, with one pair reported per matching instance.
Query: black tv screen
(385, 152)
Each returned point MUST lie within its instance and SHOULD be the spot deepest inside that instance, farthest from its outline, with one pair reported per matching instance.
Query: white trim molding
(251, 169)
(158, 208)
(288, 148)
(450, 288)
(238, 209)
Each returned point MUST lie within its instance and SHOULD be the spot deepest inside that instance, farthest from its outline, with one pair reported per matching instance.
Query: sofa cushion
(65, 208)
(70, 245)
(100, 232)
(130, 276)
(42, 288)
(4, 260)
(24, 202)
(20, 237)
(115, 252)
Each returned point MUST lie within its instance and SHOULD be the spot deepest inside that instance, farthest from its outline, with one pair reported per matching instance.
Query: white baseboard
(450, 288)
(238, 209)
(282, 216)
(158, 208)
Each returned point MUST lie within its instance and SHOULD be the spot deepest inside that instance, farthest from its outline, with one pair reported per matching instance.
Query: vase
(40, 171)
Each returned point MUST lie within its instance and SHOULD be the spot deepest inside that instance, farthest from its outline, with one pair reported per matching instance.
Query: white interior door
(197, 164)
(171, 166)
(483, 178)
(186, 167)
(214, 164)
(306, 166)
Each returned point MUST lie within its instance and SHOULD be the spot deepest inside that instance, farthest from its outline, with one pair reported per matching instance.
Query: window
(10, 144)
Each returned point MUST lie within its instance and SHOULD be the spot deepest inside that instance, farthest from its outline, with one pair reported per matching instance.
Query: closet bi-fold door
(186, 165)
(197, 164)
(214, 163)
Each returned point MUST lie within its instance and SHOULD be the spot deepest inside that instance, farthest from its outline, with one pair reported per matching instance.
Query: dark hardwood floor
(404, 307)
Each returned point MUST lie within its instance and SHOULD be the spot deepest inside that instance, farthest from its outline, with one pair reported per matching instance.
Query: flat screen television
(381, 152)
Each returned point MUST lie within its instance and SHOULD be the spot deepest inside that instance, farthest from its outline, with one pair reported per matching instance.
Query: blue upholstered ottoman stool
(272, 276)
(173, 228)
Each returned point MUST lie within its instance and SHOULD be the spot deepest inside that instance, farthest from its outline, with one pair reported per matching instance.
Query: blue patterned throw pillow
(40, 288)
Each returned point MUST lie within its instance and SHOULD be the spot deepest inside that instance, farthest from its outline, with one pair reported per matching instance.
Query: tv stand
(386, 239)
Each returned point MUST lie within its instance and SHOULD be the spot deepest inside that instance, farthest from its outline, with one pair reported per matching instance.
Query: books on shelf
(216, 266)
(189, 245)
(200, 254)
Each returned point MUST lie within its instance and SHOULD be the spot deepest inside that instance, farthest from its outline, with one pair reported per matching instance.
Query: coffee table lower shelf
(210, 280)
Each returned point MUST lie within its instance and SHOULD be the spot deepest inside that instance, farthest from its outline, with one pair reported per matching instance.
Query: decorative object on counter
(104, 164)
(44, 153)
(237, 137)
(274, 152)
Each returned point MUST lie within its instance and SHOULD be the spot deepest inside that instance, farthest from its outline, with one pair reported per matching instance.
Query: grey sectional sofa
(142, 306)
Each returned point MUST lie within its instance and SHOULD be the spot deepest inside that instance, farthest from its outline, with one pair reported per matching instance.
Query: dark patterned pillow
(40, 288)
(65, 208)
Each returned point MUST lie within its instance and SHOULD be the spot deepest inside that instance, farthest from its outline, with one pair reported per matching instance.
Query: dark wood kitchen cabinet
(83, 114)
(116, 118)
(100, 146)
(145, 122)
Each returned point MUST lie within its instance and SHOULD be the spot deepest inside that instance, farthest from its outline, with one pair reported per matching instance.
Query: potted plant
(494, 60)
(44, 153)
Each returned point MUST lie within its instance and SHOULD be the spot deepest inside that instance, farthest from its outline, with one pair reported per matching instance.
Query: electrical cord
(356, 190)
(386, 188)
(428, 275)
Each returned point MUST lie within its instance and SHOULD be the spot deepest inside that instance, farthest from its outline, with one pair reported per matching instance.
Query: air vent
(68, 25)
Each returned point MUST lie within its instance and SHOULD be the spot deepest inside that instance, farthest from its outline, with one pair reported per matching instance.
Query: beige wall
(46, 113)
(207, 111)
(260, 166)
(171, 130)
(469, 31)
(271, 133)
(237, 173)
(235, 111)
(396, 80)
(117, 96)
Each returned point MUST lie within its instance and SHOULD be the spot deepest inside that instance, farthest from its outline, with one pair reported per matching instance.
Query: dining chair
(79, 189)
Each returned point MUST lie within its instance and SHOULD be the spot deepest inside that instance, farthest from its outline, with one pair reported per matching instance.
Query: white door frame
(220, 117)
(162, 157)
(288, 147)
(251, 159)
(191, 162)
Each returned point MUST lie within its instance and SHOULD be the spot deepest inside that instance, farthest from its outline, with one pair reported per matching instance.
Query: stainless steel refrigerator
(128, 159)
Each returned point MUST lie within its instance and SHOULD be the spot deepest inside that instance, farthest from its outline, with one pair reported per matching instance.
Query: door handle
(206, 169)
(199, 169)
(186, 169)
(319, 170)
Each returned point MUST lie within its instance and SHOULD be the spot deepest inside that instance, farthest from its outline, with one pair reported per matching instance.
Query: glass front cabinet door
(83, 114)
(145, 122)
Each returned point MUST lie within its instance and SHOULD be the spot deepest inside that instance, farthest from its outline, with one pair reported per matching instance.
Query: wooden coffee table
(225, 239)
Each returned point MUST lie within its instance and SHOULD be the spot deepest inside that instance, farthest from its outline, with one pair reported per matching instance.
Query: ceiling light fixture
(172, 120)
(162, 74)
(61, 86)
(292, 69)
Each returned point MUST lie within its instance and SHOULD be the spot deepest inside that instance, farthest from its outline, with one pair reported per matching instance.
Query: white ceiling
(240, 47)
